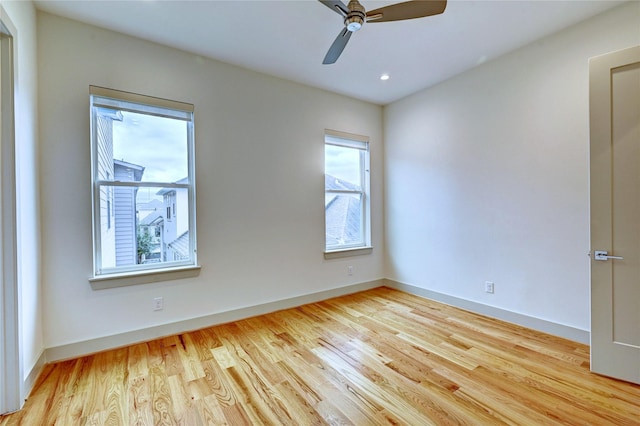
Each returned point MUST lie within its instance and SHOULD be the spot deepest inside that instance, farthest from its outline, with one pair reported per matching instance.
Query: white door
(614, 96)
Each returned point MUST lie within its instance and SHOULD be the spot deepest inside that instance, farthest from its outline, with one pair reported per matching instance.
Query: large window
(143, 183)
(346, 189)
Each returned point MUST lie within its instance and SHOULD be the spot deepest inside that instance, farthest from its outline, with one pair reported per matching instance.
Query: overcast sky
(156, 143)
(343, 163)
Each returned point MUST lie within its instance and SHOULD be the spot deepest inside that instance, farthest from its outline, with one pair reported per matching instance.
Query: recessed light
(384, 77)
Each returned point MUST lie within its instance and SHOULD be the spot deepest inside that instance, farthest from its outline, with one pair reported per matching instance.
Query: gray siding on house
(105, 145)
(104, 133)
(176, 243)
(125, 214)
(125, 226)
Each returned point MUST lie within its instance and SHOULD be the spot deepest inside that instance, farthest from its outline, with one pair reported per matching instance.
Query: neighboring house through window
(143, 183)
(176, 230)
(346, 202)
(109, 202)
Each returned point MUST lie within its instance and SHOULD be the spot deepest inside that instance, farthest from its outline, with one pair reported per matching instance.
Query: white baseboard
(571, 333)
(86, 347)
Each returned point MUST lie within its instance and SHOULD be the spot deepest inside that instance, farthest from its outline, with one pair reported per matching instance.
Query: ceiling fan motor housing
(355, 18)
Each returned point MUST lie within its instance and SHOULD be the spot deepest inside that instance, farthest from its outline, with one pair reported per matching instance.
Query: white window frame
(101, 97)
(349, 140)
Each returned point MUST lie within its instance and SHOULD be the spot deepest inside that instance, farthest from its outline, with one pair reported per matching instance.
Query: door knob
(602, 255)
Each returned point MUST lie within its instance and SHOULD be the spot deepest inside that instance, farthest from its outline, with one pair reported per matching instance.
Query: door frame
(10, 361)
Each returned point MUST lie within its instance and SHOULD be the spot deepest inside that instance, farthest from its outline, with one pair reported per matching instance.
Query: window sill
(357, 251)
(143, 277)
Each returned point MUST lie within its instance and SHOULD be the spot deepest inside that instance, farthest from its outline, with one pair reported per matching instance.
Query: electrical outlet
(488, 286)
(158, 303)
(350, 270)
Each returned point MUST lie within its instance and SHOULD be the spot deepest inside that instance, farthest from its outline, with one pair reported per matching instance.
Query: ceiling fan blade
(407, 10)
(336, 5)
(337, 47)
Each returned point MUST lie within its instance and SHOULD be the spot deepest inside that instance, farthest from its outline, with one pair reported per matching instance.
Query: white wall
(486, 176)
(259, 159)
(23, 16)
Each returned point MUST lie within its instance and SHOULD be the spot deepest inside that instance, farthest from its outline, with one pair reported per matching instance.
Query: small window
(142, 150)
(346, 192)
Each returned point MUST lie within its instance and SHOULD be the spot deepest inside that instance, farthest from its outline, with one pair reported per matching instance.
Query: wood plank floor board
(376, 357)
(214, 385)
(211, 412)
(161, 399)
(139, 399)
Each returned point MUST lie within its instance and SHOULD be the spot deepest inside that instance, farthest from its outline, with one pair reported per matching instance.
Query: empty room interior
(167, 257)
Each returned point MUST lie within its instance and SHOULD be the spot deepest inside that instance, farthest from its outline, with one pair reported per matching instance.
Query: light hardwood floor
(377, 357)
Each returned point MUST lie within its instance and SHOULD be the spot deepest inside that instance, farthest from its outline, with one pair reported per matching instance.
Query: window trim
(104, 282)
(101, 97)
(358, 142)
(111, 99)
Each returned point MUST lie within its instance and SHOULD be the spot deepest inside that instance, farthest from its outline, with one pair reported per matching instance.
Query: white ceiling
(289, 39)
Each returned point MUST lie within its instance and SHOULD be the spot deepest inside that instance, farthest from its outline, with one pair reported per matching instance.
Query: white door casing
(10, 366)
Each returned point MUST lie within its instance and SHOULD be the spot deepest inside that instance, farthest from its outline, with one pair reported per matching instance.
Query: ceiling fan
(355, 16)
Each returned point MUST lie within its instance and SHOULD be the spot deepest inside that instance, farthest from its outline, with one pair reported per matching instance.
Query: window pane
(158, 144)
(343, 168)
(343, 220)
(140, 231)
